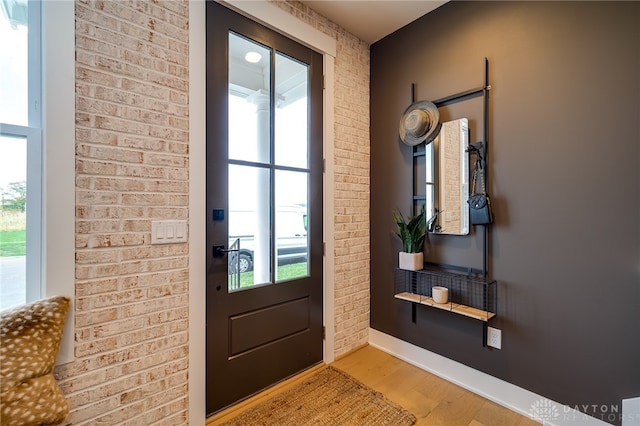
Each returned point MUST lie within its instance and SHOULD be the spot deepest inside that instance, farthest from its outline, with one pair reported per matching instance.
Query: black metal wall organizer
(471, 292)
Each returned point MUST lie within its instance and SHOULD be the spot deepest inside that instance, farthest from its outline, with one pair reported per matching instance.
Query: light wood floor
(433, 400)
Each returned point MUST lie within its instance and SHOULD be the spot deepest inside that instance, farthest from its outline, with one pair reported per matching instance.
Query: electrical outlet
(494, 337)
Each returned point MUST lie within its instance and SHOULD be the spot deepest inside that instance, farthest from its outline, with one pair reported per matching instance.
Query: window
(45, 106)
(269, 167)
(20, 153)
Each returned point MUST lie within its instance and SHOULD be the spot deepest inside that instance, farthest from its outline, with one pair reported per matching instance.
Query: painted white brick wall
(131, 324)
(132, 134)
(352, 182)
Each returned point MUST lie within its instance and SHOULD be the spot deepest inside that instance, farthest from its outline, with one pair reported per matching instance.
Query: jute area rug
(329, 397)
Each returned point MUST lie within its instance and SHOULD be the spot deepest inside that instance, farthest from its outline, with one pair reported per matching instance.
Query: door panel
(252, 330)
(264, 202)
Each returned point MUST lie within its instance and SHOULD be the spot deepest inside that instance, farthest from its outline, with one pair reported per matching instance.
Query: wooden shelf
(457, 308)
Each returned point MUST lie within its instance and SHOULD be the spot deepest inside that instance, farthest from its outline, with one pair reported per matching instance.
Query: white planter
(411, 261)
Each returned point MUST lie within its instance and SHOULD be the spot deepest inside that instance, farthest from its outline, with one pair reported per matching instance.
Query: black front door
(264, 207)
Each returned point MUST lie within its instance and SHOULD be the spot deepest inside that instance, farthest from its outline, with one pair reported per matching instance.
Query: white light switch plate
(168, 231)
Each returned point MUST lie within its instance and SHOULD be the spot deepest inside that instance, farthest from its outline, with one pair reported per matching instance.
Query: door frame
(277, 19)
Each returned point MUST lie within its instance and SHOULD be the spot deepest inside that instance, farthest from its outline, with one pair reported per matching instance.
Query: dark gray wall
(564, 179)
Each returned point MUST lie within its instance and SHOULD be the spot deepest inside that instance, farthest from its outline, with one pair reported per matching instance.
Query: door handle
(219, 251)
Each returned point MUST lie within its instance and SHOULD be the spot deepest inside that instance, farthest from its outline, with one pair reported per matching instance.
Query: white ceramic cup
(440, 294)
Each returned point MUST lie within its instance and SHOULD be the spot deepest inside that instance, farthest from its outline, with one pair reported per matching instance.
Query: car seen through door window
(291, 237)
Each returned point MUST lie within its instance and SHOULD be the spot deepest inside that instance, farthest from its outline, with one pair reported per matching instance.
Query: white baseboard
(515, 398)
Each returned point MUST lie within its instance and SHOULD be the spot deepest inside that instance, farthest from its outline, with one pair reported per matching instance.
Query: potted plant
(412, 231)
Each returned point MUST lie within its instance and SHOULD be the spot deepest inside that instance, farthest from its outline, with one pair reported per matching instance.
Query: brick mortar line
(85, 265)
(90, 175)
(121, 163)
(157, 407)
(136, 80)
(140, 316)
(106, 249)
(126, 421)
(133, 64)
(168, 206)
(118, 17)
(184, 413)
(120, 60)
(127, 149)
(146, 43)
(112, 366)
(120, 177)
(109, 292)
(92, 329)
(123, 132)
(106, 308)
(172, 206)
(123, 347)
(124, 192)
(123, 19)
(133, 107)
(120, 393)
(119, 117)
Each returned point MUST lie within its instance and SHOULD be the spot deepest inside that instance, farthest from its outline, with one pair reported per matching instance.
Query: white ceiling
(371, 20)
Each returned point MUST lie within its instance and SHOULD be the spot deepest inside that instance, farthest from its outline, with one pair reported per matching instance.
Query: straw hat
(420, 123)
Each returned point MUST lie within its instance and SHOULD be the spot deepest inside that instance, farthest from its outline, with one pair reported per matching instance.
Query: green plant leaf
(411, 231)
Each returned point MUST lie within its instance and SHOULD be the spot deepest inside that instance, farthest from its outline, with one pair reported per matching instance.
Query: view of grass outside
(13, 233)
(17, 72)
(13, 250)
(294, 270)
